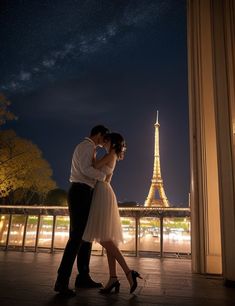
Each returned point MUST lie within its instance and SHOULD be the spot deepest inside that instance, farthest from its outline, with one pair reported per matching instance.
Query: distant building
(128, 204)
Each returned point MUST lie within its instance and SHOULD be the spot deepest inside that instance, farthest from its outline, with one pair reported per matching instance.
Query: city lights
(152, 230)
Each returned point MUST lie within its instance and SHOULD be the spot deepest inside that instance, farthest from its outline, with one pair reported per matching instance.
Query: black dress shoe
(86, 282)
(64, 290)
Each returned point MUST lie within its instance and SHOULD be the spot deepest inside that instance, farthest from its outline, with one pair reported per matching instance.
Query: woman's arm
(99, 163)
(108, 177)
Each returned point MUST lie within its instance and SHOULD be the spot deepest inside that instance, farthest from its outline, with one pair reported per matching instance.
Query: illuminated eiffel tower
(157, 195)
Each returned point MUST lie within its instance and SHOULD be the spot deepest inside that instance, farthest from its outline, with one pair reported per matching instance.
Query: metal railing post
(37, 233)
(161, 236)
(8, 231)
(25, 229)
(136, 236)
(53, 234)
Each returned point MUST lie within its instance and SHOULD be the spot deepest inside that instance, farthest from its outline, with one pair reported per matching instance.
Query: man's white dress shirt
(82, 170)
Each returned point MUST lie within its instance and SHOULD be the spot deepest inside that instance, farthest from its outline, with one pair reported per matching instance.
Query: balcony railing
(160, 231)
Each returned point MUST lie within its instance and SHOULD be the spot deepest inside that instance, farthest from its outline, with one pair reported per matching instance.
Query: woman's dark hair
(99, 129)
(117, 142)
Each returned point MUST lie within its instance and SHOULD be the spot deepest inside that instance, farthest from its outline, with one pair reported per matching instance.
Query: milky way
(47, 39)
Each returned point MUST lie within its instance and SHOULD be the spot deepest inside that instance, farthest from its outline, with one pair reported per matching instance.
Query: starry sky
(67, 65)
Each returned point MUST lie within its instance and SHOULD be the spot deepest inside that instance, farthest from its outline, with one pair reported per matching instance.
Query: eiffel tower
(157, 195)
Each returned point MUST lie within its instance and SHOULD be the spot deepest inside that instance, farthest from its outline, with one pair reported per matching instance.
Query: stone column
(211, 93)
(224, 87)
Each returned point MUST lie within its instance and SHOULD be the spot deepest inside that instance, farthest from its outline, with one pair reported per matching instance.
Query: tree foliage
(23, 171)
(5, 114)
(56, 197)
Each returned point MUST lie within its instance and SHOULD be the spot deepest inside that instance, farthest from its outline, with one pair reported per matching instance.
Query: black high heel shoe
(134, 276)
(115, 285)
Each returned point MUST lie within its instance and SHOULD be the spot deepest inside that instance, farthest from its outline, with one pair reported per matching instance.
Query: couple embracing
(94, 214)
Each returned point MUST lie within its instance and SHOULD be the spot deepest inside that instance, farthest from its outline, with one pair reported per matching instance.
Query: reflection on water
(24, 229)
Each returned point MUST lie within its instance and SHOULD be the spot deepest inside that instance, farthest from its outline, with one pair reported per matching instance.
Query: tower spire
(157, 118)
(157, 196)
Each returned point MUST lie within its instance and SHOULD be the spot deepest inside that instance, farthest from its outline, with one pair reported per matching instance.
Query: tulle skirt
(104, 223)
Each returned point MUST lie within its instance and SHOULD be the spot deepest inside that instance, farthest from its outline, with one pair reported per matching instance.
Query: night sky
(68, 65)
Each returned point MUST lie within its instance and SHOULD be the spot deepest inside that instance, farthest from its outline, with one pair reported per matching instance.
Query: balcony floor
(28, 279)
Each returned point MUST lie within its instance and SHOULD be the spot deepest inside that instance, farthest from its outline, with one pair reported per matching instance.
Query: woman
(104, 224)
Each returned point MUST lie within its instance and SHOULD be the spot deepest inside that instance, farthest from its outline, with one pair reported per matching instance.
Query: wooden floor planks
(28, 279)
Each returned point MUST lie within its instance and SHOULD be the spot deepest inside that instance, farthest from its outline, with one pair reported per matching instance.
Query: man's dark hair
(99, 129)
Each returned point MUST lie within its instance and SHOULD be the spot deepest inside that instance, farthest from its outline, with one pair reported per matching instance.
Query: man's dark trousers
(79, 202)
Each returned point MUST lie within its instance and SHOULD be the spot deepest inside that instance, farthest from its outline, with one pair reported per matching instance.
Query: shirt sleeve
(85, 164)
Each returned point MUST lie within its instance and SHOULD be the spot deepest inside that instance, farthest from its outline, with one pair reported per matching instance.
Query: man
(83, 178)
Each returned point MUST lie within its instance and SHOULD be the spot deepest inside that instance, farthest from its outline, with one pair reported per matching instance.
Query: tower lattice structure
(157, 195)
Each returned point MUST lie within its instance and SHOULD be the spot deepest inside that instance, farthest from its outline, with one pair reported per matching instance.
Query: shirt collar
(90, 140)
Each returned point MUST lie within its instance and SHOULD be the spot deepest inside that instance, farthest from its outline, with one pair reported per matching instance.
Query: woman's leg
(112, 264)
(116, 254)
(112, 270)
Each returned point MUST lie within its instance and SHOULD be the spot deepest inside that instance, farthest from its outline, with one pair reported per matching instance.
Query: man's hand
(94, 158)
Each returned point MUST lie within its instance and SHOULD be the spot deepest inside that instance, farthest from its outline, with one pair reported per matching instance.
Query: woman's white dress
(104, 223)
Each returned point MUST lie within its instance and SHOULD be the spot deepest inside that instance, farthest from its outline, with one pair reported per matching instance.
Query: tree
(23, 171)
(5, 114)
(56, 197)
